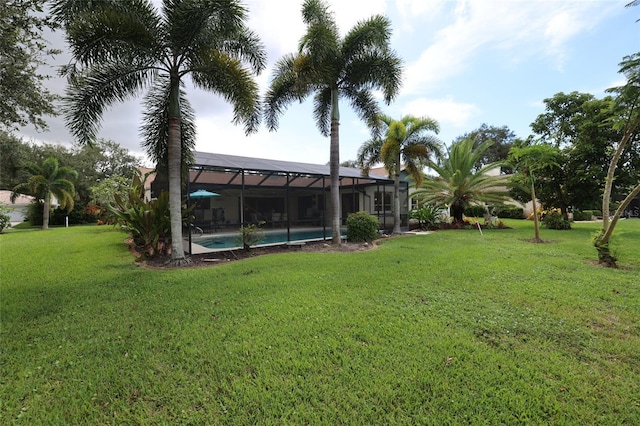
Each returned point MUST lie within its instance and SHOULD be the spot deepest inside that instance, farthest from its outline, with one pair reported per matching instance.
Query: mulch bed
(223, 257)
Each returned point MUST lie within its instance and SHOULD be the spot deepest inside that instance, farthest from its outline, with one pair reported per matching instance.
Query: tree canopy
(23, 50)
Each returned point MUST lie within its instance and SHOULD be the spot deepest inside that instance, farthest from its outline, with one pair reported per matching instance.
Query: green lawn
(447, 328)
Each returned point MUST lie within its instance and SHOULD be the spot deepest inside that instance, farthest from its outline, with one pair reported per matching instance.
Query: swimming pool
(279, 236)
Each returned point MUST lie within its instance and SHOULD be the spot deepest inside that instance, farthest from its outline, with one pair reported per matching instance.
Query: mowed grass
(447, 328)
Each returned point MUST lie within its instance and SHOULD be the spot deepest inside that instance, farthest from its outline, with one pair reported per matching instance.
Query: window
(382, 201)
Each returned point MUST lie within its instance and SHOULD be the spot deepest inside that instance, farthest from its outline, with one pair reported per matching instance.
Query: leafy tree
(22, 50)
(529, 161)
(558, 124)
(577, 178)
(332, 67)
(458, 183)
(14, 156)
(502, 137)
(629, 97)
(124, 46)
(46, 180)
(405, 143)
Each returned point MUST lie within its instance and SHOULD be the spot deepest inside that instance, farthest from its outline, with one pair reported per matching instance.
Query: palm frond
(219, 73)
(322, 110)
(286, 87)
(373, 33)
(89, 93)
(155, 127)
(369, 154)
(322, 39)
(365, 106)
(109, 30)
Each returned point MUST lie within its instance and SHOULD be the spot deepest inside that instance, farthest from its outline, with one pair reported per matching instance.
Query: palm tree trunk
(334, 168)
(396, 197)
(174, 151)
(45, 210)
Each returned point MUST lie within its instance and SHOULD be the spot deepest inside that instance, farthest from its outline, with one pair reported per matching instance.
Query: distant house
(19, 208)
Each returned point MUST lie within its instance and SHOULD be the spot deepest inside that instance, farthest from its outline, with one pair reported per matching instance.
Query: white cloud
(445, 111)
(519, 29)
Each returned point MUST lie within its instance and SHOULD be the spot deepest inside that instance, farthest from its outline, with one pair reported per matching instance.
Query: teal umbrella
(203, 193)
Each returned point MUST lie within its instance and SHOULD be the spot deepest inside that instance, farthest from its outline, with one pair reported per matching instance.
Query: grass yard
(447, 328)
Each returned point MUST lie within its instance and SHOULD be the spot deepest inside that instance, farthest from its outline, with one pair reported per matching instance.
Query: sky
(466, 62)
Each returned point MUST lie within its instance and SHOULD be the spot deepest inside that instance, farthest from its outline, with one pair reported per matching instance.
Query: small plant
(553, 219)
(428, 216)
(362, 226)
(250, 235)
(5, 220)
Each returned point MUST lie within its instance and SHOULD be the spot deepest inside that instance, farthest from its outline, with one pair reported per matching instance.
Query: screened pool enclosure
(278, 195)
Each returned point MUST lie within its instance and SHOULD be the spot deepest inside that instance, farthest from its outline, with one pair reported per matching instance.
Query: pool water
(228, 241)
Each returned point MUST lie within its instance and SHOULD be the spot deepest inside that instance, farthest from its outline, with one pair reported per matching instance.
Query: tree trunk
(334, 168)
(608, 225)
(457, 210)
(396, 198)
(174, 153)
(45, 210)
(536, 222)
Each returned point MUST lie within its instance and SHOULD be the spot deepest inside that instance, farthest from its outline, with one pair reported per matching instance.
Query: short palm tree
(46, 180)
(404, 142)
(332, 67)
(122, 47)
(459, 184)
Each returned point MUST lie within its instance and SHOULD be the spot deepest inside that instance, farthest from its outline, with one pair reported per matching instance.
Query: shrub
(362, 226)
(428, 216)
(553, 219)
(506, 211)
(4, 222)
(475, 211)
(585, 215)
(148, 221)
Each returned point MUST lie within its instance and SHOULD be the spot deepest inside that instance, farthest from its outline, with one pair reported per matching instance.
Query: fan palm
(332, 67)
(405, 142)
(459, 184)
(46, 180)
(124, 46)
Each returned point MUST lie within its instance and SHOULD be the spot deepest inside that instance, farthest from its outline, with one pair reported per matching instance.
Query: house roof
(235, 162)
(5, 198)
(222, 169)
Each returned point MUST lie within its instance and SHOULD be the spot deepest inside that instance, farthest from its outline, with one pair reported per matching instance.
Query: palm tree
(122, 47)
(404, 142)
(332, 67)
(46, 180)
(458, 183)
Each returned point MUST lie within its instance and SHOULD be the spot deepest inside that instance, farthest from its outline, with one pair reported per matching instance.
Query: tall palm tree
(459, 184)
(46, 180)
(122, 47)
(332, 67)
(404, 142)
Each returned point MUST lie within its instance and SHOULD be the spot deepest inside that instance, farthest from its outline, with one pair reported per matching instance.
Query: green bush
(506, 211)
(428, 216)
(555, 220)
(362, 226)
(475, 211)
(585, 215)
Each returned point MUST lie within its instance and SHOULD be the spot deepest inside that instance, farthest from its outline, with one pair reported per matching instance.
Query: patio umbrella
(203, 193)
